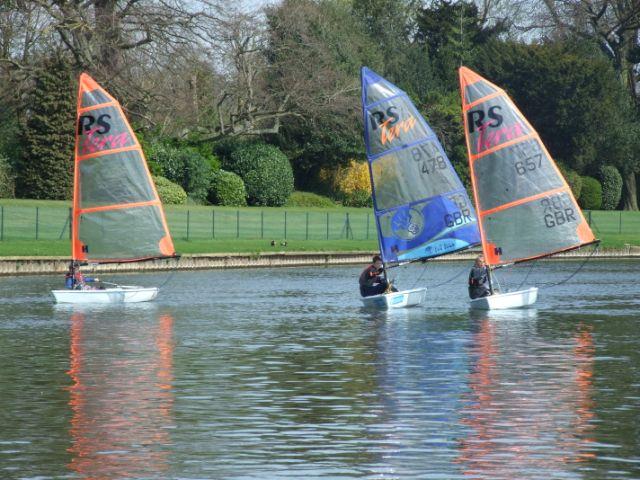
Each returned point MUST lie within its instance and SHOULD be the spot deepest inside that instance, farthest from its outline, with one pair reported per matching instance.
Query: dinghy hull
(502, 301)
(121, 294)
(403, 299)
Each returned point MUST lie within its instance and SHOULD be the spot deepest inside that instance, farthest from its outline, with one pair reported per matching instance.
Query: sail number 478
(429, 158)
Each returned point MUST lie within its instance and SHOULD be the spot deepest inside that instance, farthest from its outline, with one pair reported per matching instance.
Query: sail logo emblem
(487, 138)
(96, 134)
(390, 124)
(407, 223)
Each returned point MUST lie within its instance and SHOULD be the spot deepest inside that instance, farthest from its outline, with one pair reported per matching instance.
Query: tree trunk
(629, 192)
(108, 30)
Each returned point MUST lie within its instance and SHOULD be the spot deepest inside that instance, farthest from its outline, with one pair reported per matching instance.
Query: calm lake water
(280, 373)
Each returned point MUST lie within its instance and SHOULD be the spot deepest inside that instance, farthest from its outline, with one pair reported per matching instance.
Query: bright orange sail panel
(525, 207)
(117, 214)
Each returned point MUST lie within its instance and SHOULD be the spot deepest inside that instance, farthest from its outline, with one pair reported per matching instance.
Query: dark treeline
(234, 106)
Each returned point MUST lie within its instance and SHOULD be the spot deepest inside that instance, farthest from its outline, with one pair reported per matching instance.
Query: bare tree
(190, 68)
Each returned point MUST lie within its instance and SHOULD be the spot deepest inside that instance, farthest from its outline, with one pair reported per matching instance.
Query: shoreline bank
(11, 266)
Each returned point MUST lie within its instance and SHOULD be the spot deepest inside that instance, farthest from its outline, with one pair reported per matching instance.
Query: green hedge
(170, 193)
(266, 172)
(574, 180)
(7, 179)
(184, 166)
(357, 198)
(591, 196)
(227, 189)
(308, 199)
(611, 187)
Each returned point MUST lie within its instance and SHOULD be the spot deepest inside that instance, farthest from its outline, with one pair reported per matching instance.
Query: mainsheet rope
(584, 262)
(464, 269)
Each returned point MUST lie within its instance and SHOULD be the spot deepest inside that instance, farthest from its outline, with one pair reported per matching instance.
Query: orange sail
(525, 207)
(117, 214)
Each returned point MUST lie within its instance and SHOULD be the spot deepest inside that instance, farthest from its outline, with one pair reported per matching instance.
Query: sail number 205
(428, 157)
(558, 210)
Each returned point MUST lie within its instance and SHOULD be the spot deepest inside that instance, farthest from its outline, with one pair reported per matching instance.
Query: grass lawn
(41, 228)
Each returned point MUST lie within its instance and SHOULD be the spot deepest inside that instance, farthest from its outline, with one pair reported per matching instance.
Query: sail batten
(526, 209)
(421, 208)
(117, 214)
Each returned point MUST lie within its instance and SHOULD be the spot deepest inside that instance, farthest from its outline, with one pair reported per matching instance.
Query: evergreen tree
(45, 170)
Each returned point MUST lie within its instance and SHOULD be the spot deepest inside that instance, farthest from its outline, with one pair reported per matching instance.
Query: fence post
(188, 222)
(2, 223)
(368, 216)
(306, 235)
(70, 223)
(37, 218)
(213, 223)
(237, 223)
(589, 221)
(327, 225)
(261, 223)
(620, 223)
(285, 224)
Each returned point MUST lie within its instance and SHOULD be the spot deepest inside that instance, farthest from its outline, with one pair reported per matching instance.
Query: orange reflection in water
(121, 397)
(530, 406)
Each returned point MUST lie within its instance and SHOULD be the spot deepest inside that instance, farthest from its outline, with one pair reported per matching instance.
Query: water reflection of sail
(121, 397)
(529, 409)
(421, 377)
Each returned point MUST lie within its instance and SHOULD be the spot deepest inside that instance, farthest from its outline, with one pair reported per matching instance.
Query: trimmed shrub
(591, 196)
(353, 178)
(357, 198)
(7, 179)
(611, 187)
(573, 179)
(170, 193)
(227, 189)
(308, 199)
(184, 166)
(266, 172)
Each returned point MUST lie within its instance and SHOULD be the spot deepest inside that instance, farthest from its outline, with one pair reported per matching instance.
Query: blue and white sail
(422, 209)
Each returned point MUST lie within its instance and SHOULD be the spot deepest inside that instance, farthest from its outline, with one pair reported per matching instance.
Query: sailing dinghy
(525, 207)
(421, 208)
(117, 214)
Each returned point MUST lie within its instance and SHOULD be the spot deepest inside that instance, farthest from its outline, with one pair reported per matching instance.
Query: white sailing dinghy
(421, 208)
(117, 214)
(525, 207)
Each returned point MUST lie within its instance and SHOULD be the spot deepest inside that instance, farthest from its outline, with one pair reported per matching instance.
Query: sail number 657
(528, 164)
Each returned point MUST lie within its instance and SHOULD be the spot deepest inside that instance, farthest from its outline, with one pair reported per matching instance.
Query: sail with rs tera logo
(421, 207)
(526, 209)
(117, 214)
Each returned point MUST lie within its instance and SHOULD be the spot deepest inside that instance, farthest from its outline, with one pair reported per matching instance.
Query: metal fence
(53, 223)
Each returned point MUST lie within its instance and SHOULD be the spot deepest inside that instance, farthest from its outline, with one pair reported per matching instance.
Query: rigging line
(584, 262)
(426, 264)
(464, 269)
(527, 275)
(169, 277)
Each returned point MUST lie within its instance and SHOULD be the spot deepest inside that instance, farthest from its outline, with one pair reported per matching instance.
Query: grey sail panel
(525, 207)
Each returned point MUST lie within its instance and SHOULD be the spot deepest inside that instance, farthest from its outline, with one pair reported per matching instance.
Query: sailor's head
(480, 261)
(377, 261)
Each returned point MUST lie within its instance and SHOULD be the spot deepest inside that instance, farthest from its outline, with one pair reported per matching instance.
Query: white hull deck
(403, 299)
(120, 294)
(502, 301)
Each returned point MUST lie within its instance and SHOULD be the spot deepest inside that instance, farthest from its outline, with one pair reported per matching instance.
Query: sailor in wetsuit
(479, 279)
(372, 281)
